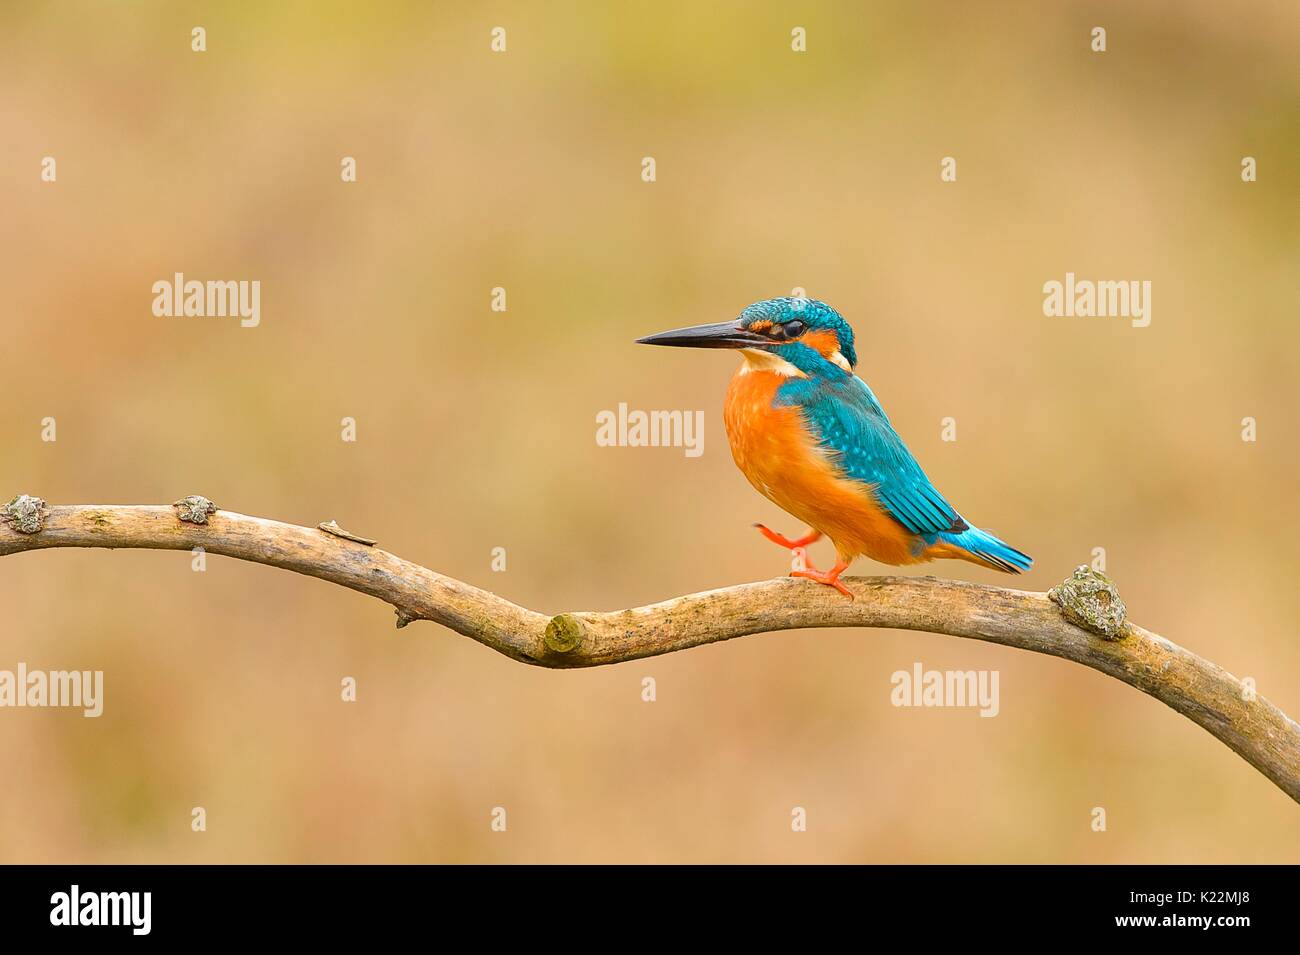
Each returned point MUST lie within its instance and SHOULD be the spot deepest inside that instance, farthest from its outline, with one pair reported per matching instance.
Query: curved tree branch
(1083, 620)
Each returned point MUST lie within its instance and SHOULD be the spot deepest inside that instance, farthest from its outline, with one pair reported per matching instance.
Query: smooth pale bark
(1206, 694)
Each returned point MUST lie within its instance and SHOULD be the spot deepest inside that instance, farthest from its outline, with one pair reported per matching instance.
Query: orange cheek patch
(823, 340)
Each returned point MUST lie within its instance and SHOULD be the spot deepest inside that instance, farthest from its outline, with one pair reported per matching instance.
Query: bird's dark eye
(793, 329)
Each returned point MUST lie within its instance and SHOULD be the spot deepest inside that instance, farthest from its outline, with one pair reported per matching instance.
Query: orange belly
(777, 453)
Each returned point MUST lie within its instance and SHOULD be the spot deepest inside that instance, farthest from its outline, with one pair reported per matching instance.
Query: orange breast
(777, 453)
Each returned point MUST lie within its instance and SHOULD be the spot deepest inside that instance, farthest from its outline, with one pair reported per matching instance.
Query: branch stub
(25, 513)
(1090, 600)
(194, 509)
(332, 527)
(563, 633)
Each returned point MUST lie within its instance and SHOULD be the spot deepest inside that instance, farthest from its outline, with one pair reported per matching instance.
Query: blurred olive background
(476, 429)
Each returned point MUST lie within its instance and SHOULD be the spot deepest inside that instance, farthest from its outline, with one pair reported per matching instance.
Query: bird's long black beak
(719, 335)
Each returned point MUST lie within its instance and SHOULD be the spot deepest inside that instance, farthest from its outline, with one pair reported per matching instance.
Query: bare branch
(1206, 694)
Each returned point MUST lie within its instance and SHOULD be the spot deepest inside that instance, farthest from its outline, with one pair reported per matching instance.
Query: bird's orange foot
(831, 578)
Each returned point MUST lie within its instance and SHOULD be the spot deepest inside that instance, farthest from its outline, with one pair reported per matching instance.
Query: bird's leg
(781, 539)
(831, 578)
(798, 548)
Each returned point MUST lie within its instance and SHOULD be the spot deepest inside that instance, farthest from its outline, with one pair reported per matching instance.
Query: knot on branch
(563, 633)
(1089, 599)
(25, 514)
(194, 509)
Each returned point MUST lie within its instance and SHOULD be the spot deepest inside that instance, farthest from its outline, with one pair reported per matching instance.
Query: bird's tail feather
(981, 547)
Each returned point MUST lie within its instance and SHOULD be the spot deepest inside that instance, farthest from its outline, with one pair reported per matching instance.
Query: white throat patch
(758, 360)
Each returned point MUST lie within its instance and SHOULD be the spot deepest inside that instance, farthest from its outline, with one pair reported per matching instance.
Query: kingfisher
(811, 437)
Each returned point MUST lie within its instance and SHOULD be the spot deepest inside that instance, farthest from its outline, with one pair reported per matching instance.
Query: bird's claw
(830, 578)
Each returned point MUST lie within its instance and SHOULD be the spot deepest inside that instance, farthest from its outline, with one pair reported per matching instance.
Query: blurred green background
(476, 429)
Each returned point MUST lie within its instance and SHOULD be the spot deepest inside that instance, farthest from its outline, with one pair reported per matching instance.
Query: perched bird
(812, 438)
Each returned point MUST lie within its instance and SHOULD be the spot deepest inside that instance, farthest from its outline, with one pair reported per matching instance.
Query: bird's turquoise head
(794, 329)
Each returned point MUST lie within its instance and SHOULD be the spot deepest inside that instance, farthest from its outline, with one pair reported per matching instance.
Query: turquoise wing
(849, 423)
